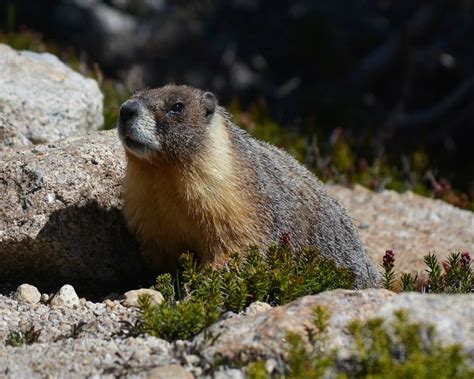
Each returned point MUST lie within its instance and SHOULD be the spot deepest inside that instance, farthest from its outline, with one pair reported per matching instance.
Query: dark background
(397, 77)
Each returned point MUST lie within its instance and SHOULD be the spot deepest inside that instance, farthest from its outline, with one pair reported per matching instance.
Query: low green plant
(453, 276)
(402, 349)
(257, 370)
(456, 278)
(388, 264)
(15, 339)
(399, 349)
(23, 337)
(302, 363)
(200, 296)
(408, 281)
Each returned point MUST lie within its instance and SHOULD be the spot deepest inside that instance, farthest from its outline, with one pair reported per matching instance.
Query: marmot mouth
(133, 144)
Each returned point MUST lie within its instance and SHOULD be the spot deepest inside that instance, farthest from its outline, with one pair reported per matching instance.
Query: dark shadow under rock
(61, 220)
(111, 262)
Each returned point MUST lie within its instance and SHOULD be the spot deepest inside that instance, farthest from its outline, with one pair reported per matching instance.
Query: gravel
(75, 339)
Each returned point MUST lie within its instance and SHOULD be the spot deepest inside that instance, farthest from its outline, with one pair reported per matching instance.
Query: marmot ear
(209, 102)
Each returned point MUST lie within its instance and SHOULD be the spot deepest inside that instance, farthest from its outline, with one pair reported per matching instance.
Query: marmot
(196, 182)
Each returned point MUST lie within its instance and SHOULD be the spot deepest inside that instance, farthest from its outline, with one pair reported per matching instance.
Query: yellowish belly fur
(203, 209)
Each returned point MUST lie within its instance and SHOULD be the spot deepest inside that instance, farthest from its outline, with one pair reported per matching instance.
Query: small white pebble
(257, 307)
(109, 303)
(65, 297)
(130, 298)
(50, 198)
(27, 293)
(270, 365)
(45, 298)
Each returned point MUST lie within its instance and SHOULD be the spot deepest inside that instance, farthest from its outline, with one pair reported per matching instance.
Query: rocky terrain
(60, 223)
(410, 225)
(79, 338)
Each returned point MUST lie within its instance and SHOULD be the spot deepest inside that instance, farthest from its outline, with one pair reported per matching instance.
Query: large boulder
(61, 215)
(410, 225)
(43, 100)
(264, 334)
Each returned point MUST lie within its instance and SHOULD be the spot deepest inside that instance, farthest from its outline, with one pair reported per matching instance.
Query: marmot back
(196, 182)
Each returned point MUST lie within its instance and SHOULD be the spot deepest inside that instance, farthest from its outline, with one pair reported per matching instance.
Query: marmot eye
(177, 107)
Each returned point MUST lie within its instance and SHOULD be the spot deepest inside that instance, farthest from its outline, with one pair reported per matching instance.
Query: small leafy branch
(457, 276)
(408, 281)
(200, 296)
(388, 274)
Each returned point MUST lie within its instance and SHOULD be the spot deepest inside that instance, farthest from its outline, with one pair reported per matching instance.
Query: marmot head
(170, 123)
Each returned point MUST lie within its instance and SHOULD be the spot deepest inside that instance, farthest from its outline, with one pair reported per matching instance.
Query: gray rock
(61, 219)
(65, 297)
(10, 137)
(169, 372)
(43, 100)
(410, 225)
(264, 334)
(86, 357)
(27, 294)
(231, 373)
(130, 298)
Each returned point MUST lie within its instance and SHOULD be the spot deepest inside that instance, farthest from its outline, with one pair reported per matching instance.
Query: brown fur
(196, 182)
(199, 209)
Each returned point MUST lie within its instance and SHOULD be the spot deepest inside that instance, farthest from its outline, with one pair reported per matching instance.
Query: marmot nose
(128, 110)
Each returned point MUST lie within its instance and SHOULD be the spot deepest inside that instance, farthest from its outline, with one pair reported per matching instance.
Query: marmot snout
(167, 123)
(196, 182)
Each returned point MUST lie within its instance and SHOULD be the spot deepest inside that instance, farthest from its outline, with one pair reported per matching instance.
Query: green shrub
(400, 349)
(455, 277)
(200, 296)
(314, 364)
(15, 339)
(388, 272)
(409, 282)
